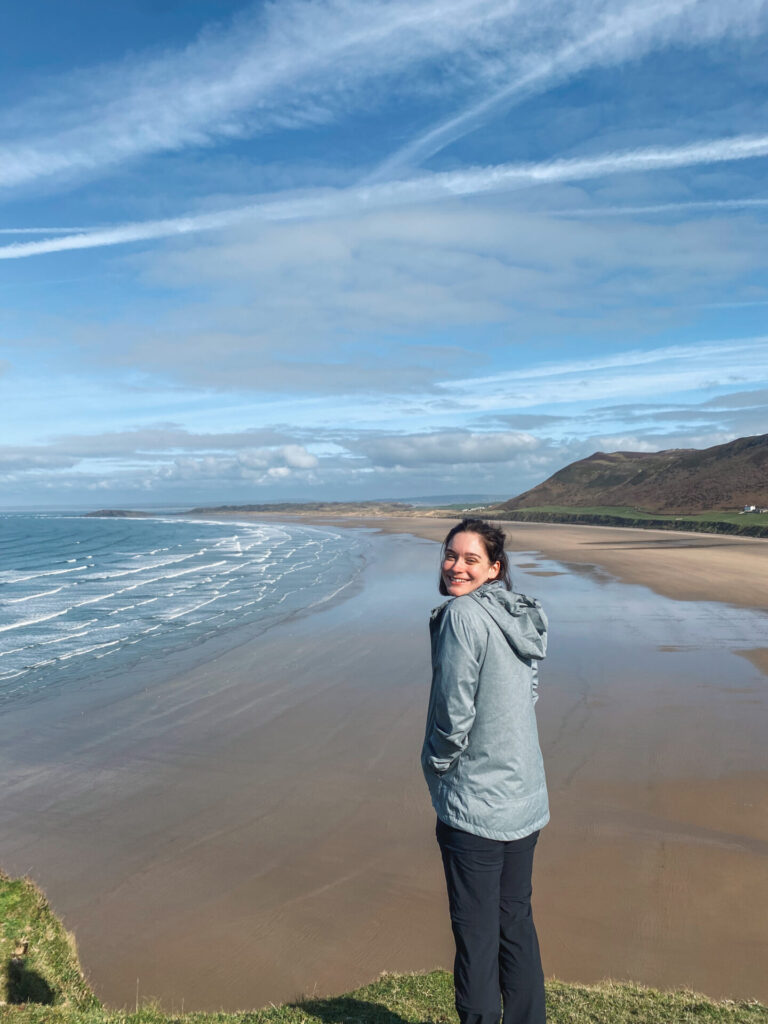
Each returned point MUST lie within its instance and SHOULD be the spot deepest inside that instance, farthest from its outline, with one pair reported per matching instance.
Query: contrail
(625, 34)
(423, 189)
(277, 65)
(41, 231)
(616, 30)
(694, 204)
(291, 64)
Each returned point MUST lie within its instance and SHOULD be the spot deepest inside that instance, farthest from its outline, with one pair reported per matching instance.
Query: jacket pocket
(452, 774)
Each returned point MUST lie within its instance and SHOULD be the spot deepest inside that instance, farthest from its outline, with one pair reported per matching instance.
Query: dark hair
(493, 541)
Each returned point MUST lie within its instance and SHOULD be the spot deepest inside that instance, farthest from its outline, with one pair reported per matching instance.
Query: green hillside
(724, 478)
(735, 523)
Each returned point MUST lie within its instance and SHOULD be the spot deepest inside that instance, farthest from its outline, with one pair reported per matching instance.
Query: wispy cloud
(300, 63)
(422, 189)
(631, 375)
(477, 439)
(42, 231)
(704, 205)
(572, 44)
(284, 65)
(705, 352)
(446, 447)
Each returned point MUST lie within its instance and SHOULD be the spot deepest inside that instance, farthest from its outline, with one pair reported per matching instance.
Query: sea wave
(230, 573)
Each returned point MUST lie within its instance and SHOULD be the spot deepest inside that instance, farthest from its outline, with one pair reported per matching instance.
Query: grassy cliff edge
(38, 958)
(41, 982)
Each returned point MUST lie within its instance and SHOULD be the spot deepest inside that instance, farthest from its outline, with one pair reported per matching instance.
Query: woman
(483, 766)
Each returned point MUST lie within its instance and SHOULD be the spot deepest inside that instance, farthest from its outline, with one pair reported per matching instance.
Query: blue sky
(345, 249)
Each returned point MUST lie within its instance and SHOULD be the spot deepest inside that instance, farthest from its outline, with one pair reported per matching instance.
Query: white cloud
(579, 36)
(659, 442)
(332, 307)
(625, 443)
(297, 457)
(255, 466)
(25, 460)
(42, 231)
(164, 439)
(690, 206)
(740, 400)
(154, 450)
(670, 424)
(358, 462)
(637, 376)
(446, 448)
(300, 63)
(423, 189)
(283, 65)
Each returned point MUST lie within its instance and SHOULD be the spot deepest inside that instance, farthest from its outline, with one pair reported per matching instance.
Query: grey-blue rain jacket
(481, 755)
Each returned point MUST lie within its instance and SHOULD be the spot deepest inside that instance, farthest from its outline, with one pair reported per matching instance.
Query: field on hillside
(750, 524)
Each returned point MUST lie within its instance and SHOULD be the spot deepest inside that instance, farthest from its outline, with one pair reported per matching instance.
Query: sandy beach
(256, 828)
(685, 566)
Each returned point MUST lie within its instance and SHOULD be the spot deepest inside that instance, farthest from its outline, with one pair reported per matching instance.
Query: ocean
(82, 598)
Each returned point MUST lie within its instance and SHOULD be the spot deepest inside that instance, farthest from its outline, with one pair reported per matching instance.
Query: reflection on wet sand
(591, 572)
(758, 657)
(257, 827)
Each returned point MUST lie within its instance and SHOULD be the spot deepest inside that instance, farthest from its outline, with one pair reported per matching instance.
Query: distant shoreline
(619, 518)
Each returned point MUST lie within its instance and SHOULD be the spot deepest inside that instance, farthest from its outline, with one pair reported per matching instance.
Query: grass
(627, 512)
(751, 524)
(428, 999)
(38, 958)
(27, 921)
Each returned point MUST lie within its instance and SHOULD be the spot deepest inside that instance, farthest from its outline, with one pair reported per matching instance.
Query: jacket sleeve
(455, 674)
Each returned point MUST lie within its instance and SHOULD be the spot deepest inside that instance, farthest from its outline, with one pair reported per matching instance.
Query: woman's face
(466, 565)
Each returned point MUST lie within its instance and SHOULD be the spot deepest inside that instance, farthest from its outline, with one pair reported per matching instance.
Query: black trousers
(497, 951)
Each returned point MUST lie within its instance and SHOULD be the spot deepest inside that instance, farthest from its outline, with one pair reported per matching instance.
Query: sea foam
(185, 581)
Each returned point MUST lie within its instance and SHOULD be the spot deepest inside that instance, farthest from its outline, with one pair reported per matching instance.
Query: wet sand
(256, 828)
(686, 566)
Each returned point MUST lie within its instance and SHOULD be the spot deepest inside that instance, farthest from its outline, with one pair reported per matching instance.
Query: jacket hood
(521, 619)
